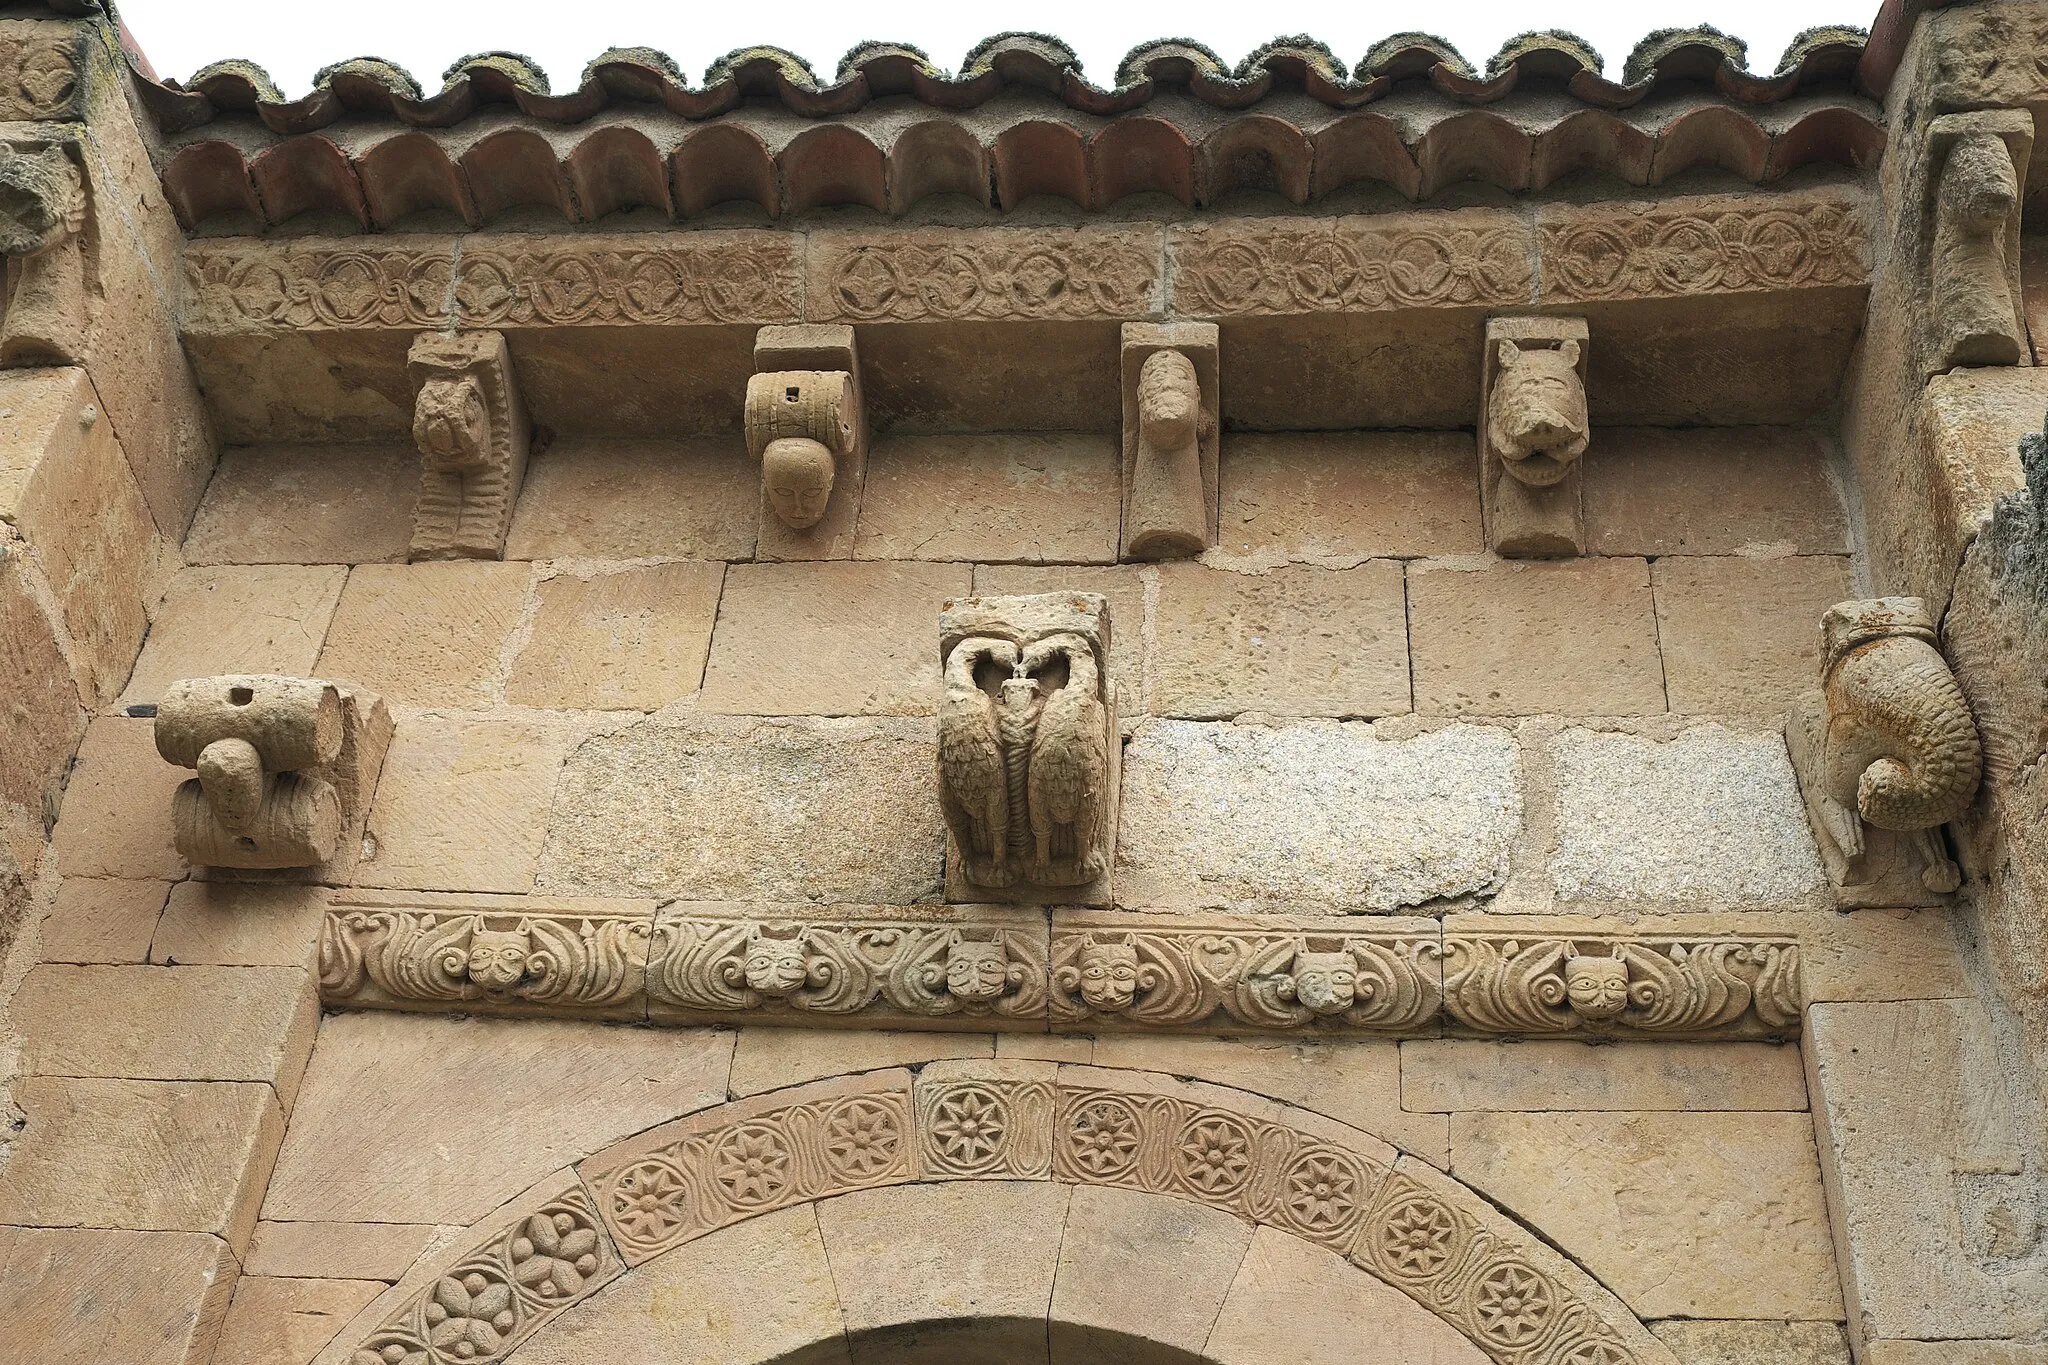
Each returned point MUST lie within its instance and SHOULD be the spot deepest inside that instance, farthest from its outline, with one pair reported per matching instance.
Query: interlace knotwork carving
(1350, 265)
(1673, 252)
(985, 274)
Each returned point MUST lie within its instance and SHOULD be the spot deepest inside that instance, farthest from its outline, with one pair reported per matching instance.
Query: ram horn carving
(1889, 743)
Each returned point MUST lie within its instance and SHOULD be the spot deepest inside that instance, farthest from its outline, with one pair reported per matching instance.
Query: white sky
(295, 38)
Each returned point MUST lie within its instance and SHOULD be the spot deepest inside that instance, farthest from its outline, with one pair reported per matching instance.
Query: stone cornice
(978, 968)
(1245, 267)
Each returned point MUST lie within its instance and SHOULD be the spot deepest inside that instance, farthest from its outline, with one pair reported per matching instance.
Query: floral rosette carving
(1594, 985)
(574, 962)
(500, 1293)
(993, 1128)
(702, 1182)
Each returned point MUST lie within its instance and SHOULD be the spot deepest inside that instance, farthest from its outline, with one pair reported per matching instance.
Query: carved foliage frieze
(501, 1292)
(988, 274)
(425, 957)
(984, 968)
(973, 972)
(1351, 264)
(1674, 252)
(1604, 984)
(736, 277)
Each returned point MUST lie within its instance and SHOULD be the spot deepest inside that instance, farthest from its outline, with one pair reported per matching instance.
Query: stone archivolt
(1104, 971)
(1409, 1227)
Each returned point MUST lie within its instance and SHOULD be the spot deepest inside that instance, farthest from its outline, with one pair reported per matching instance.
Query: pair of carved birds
(1022, 778)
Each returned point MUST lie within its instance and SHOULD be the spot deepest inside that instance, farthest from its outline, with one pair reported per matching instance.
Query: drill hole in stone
(240, 696)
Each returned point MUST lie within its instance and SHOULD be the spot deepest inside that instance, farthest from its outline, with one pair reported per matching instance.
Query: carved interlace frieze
(501, 1292)
(1351, 264)
(987, 274)
(1674, 252)
(1411, 1228)
(712, 277)
(38, 71)
(985, 967)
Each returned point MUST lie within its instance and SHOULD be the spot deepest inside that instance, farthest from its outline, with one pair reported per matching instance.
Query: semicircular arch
(991, 1210)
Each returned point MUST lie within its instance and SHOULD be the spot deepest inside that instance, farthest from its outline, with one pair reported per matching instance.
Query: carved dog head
(452, 423)
(1536, 415)
(42, 200)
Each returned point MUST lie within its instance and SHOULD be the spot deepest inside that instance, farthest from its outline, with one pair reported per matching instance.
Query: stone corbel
(1976, 179)
(1028, 749)
(43, 211)
(1887, 753)
(1532, 430)
(473, 435)
(807, 425)
(286, 767)
(1172, 442)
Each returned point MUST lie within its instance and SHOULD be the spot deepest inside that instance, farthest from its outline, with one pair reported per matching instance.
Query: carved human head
(1325, 983)
(774, 966)
(42, 199)
(452, 422)
(1109, 975)
(497, 957)
(1169, 398)
(976, 970)
(1597, 987)
(798, 474)
(1536, 415)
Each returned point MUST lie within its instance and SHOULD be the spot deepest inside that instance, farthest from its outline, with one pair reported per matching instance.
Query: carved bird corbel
(974, 784)
(1069, 759)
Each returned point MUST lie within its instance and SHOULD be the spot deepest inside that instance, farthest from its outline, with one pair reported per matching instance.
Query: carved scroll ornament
(1600, 985)
(422, 957)
(1887, 751)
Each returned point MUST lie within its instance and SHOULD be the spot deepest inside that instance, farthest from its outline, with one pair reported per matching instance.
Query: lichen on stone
(390, 75)
(1556, 40)
(792, 68)
(523, 71)
(1311, 50)
(1808, 41)
(1203, 58)
(982, 56)
(637, 56)
(1657, 45)
(1383, 57)
(861, 53)
(240, 69)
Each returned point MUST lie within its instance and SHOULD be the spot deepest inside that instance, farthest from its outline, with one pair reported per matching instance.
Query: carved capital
(1887, 753)
(1532, 430)
(1172, 438)
(1027, 746)
(279, 763)
(473, 435)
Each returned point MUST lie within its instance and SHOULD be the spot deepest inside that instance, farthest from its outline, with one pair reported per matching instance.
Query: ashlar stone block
(425, 634)
(1542, 1075)
(232, 619)
(1339, 498)
(632, 640)
(358, 1150)
(337, 1251)
(289, 1319)
(746, 809)
(638, 499)
(1713, 491)
(1147, 1272)
(1516, 639)
(116, 818)
(1315, 816)
(1024, 499)
(1292, 641)
(295, 504)
(151, 1156)
(141, 1298)
(1681, 1215)
(97, 919)
(1711, 819)
(1754, 1343)
(1740, 636)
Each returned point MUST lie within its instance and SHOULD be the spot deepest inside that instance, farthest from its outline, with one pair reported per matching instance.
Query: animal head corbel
(452, 423)
(42, 199)
(1536, 417)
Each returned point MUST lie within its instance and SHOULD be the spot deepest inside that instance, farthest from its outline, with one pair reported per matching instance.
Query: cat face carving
(497, 958)
(1109, 976)
(775, 966)
(1536, 413)
(1597, 987)
(1325, 983)
(976, 972)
